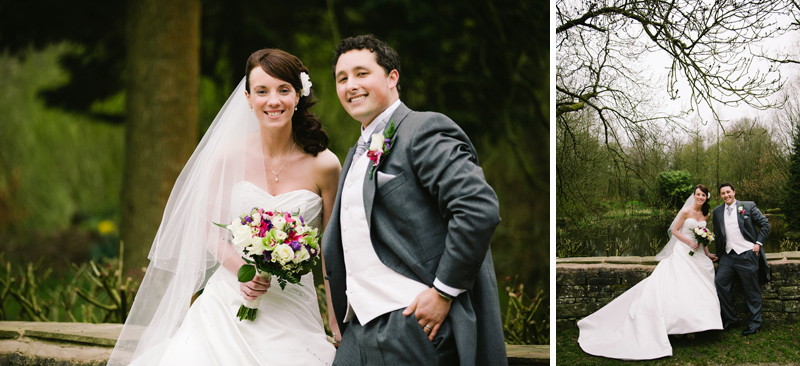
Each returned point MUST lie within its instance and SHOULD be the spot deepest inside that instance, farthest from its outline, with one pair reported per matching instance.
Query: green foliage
(93, 293)
(788, 245)
(25, 288)
(526, 320)
(323, 309)
(618, 247)
(107, 290)
(582, 174)
(774, 345)
(674, 186)
(59, 164)
(750, 153)
(54, 166)
(246, 273)
(791, 205)
(567, 248)
(655, 245)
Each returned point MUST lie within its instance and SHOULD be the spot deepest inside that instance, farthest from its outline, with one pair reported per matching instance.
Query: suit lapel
(740, 218)
(370, 185)
(720, 212)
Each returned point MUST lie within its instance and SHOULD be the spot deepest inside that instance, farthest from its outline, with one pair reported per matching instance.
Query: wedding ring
(428, 327)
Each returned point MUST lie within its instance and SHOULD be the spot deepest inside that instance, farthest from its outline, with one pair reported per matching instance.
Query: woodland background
(103, 102)
(654, 97)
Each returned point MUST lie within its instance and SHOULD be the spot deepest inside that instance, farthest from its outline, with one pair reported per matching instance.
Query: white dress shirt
(373, 289)
(733, 235)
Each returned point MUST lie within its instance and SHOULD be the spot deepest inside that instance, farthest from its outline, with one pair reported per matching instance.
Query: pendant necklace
(284, 163)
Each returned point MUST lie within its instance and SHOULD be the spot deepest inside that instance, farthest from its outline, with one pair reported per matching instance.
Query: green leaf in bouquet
(220, 225)
(246, 273)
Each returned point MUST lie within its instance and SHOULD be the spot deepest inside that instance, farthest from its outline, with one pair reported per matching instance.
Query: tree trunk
(162, 75)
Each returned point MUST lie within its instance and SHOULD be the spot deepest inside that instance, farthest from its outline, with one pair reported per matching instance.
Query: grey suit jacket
(431, 214)
(754, 227)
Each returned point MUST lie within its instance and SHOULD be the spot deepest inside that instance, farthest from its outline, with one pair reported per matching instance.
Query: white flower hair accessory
(306, 80)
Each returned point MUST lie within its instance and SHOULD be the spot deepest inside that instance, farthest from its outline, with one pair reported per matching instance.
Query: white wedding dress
(288, 328)
(679, 297)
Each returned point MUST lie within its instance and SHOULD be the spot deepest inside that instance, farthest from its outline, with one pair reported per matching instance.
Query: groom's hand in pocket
(430, 310)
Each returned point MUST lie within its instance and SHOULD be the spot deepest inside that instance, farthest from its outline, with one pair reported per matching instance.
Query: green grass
(776, 344)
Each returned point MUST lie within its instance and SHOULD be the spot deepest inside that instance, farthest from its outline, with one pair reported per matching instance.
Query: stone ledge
(648, 260)
(528, 354)
(84, 344)
(584, 285)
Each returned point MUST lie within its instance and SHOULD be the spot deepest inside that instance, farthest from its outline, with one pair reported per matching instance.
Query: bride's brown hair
(706, 206)
(306, 127)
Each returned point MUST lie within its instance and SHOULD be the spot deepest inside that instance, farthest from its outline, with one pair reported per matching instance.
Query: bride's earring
(295, 107)
(251, 108)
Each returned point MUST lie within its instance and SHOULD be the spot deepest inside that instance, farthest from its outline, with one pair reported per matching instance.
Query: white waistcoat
(373, 289)
(733, 235)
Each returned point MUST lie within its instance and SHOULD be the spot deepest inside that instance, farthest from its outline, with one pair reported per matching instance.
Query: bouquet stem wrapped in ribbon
(702, 236)
(273, 243)
(250, 307)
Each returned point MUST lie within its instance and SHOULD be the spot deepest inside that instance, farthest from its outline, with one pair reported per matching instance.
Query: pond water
(633, 236)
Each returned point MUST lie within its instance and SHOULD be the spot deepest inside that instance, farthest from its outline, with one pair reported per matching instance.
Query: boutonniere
(741, 210)
(380, 146)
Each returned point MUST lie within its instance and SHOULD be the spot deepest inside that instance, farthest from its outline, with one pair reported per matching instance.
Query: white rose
(280, 235)
(256, 218)
(242, 237)
(301, 229)
(301, 255)
(237, 222)
(283, 253)
(377, 142)
(278, 221)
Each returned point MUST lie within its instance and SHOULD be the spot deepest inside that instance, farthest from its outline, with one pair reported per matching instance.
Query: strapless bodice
(246, 195)
(690, 224)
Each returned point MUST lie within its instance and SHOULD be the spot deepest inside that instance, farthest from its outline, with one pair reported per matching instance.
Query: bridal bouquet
(703, 236)
(273, 243)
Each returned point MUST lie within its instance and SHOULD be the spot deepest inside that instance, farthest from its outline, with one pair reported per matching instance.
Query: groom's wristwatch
(443, 294)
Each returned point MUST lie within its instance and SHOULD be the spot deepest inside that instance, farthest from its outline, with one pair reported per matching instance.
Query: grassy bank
(776, 344)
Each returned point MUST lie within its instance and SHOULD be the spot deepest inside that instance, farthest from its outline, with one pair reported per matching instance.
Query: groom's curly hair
(385, 56)
(726, 184)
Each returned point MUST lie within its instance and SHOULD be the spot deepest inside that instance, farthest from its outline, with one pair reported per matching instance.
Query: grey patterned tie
(362, 146)
(729, 209)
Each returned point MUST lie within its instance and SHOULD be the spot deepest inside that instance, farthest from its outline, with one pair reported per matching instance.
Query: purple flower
(295, 245)
(248, 219)
(267, 256)
(301, 220)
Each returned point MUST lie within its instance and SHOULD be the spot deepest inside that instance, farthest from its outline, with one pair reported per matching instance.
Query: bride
(679, 297)
(264, 149)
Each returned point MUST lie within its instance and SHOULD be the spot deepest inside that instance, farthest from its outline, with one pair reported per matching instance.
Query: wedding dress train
(679, 297)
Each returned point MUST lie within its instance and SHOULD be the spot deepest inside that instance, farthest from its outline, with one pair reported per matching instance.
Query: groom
(740, 229)
(407, 246)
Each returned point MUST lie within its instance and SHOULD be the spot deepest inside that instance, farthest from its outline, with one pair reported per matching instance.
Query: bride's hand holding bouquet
(272, 243)
(703, 237)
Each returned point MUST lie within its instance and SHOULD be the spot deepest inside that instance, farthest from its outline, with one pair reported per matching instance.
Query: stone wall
(584, 285)
(82, 344)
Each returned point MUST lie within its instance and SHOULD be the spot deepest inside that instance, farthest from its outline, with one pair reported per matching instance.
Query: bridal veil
(188, 246)
(664, 253)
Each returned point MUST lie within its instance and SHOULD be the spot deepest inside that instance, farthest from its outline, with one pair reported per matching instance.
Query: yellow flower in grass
(106, 227)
